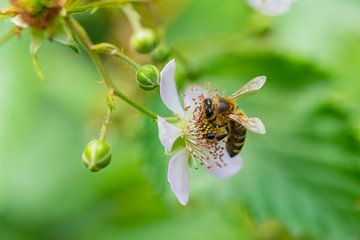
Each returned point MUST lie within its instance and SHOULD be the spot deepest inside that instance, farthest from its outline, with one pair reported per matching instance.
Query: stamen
(204, 151)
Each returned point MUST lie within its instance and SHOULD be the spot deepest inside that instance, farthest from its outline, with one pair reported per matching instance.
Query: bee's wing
(250, 87)
(253, 124)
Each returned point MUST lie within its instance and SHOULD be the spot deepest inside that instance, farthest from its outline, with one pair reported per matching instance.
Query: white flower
(271, 7)
(210, 154)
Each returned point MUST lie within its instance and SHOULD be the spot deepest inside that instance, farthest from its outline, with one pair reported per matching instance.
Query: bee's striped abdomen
(236, 138)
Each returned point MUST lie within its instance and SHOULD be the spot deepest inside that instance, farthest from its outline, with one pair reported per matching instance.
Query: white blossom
(210, 154)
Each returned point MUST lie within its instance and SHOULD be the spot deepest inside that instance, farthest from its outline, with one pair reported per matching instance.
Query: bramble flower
(191, 130)
(45, 19)
(271, 7)
(36, 14)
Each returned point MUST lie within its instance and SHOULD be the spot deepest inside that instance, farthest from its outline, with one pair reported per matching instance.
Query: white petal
(168, 90)
(232, 166)
(193, 97)
(19, 22)
(271, 7)
(178, 175)
(168, 133)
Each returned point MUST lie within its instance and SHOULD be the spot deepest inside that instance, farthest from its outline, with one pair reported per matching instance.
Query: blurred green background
(300, 181)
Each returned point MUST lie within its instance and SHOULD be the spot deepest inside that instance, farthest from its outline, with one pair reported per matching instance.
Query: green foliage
(303, 172)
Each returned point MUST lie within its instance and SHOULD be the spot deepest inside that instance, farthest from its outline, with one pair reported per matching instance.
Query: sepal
(37, 39)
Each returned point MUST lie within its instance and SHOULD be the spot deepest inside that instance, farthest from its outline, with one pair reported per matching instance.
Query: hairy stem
(87, 44)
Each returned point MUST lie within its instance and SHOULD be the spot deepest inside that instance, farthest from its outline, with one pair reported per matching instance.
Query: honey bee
(227, 121)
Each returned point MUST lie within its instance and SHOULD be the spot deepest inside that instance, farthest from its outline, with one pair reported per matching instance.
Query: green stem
(100, 4)
(87, 44)
(7, 12)
(111, 50)
(104, 127)
(128, 60)
(133, 17)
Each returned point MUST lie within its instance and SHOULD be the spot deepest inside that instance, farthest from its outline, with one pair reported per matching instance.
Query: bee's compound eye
(210, 136)
(207, 101)
(223, 106)
(209, 113)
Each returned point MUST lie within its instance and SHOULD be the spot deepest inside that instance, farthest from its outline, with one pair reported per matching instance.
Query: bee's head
(224, 106)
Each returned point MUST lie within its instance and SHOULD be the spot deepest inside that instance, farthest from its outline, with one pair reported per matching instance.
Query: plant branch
(7, 12)
(111, 50)
(133, 17)
(100, 4)
(87, 44)
(104, 127)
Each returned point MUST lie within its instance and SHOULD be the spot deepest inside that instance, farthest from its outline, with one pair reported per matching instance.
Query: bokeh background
(300, 181)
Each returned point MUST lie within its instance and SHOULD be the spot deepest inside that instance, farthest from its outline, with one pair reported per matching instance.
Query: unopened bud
(161, 54)
(144, 40)
(147, 77)
(96, 155)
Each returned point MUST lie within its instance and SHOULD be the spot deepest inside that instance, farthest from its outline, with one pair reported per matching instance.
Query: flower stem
(7, 12)
(133, 17)
(100, 4)
(87, 44)
(111, 50)
(104, 127)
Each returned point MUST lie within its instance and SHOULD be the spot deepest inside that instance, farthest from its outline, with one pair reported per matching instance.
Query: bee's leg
(220, 137)
(213, 136)
(221, 125)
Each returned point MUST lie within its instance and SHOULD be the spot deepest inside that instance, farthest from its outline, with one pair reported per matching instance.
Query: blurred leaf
(288, 73)
(202, 19)
(297, 173)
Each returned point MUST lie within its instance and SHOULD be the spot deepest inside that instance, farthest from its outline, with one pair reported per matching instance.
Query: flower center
(201, 137)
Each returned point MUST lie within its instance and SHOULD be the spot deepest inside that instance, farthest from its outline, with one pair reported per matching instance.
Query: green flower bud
(144, 40)
(148, 77)
(96, 155)
(161, 54)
